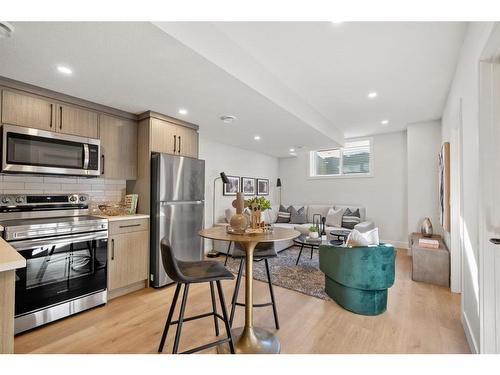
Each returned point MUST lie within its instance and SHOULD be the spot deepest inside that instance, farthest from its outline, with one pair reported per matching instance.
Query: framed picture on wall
(262, 186)
(248, 186)
(444, 186)
(232, 187)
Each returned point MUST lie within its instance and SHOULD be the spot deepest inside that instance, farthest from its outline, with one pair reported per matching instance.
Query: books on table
(428, 243)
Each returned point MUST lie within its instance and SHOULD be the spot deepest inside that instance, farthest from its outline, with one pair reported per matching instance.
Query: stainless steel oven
(26, 150)
(66, 256)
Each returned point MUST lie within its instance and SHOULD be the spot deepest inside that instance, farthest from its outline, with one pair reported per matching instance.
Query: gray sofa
(271, 215)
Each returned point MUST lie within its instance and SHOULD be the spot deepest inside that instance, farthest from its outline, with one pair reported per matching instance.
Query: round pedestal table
(250, 339)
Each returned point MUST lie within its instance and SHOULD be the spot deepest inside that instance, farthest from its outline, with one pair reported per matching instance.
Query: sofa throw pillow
(297, 216)
(334, 217)
(283, 215)
(351, 218)
(357, 239)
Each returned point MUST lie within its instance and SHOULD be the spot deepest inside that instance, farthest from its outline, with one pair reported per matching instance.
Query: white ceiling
(291, 83)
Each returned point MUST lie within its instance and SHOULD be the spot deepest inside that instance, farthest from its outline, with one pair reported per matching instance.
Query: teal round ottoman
(357, 278)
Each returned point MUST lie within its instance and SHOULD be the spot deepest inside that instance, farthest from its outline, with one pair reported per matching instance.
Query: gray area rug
(305, 278)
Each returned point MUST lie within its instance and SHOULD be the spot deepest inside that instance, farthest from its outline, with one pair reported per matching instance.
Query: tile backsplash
(99, 189)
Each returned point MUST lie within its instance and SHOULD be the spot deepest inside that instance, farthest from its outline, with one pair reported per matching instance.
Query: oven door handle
(86, 156)
(63, 240)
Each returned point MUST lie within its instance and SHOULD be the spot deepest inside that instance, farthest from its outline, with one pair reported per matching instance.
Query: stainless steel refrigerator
(177, 210)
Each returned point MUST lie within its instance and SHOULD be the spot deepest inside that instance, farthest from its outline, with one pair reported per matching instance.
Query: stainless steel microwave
(26, 150)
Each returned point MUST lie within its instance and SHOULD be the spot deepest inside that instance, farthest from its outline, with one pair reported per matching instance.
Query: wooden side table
(430, 265)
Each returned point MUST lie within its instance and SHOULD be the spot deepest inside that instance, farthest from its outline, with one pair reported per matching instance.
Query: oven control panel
(47, 200)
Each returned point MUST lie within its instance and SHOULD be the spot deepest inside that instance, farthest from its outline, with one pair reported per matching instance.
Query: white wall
(465, 119)
(234, 161)
(423, 144)
(383, 195)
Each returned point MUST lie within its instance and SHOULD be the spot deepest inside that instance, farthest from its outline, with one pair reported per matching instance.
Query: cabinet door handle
(51, 114)
(495, 241)
(175, 143)
(60, 117)
(130, 225)
(112, 249)
(102, 168)
(179, 144)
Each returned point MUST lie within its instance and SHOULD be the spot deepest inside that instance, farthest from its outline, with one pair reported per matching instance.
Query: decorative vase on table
(314, 234)
(257, 205)
(239, 221)
(426, 228)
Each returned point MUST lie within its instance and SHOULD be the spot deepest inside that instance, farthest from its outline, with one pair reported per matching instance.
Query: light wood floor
(420, 318)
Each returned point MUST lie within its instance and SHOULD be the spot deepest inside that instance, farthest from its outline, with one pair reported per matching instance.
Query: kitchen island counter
(10, 260)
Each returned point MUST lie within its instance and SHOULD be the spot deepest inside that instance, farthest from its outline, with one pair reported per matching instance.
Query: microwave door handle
(86, 156)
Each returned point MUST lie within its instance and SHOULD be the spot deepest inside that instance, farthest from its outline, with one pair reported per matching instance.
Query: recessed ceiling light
(227, 118)
(337, 22)
(183, 111)
(372, 95)
(384, 122)
(257, 137)
(292, 150)
(64, 70)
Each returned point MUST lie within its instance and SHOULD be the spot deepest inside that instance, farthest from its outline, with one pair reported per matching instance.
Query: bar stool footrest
(206, 346)
(255, 304)
(198, 317)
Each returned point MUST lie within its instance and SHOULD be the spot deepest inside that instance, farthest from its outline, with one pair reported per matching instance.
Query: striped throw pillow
(351, 218)
(283, 215)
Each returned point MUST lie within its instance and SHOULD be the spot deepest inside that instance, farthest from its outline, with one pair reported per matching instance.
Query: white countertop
(10, 259)
(124, 217)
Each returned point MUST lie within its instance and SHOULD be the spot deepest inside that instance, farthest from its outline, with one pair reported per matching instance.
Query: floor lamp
(278, 185)
(212, 253)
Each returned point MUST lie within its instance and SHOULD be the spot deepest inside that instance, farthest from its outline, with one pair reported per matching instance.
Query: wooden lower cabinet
(7, 285)
(128, 262)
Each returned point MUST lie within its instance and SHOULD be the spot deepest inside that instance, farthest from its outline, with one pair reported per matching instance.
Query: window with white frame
(354, 159)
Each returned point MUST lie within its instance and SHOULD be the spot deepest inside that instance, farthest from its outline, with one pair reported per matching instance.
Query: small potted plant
(314, 231)
(256, 206)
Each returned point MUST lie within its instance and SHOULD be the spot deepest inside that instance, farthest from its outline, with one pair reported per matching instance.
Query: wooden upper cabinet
(163, 136)
(27, 110)
(188, 142)
(119, 147)
(77, 121)
(173, 139)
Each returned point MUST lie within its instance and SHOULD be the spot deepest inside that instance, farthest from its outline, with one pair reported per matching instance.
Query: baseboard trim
(468, 334)
(397, 244)
(127, 289)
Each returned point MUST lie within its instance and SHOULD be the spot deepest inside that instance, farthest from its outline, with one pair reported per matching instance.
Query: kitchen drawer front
(128, 226)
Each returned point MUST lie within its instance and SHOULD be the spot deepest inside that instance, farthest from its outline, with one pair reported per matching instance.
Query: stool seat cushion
(203, 271)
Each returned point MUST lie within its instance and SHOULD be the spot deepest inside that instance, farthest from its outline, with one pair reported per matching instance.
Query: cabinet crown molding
(160, 116)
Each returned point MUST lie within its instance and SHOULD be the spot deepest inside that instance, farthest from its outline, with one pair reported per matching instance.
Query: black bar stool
(187, 273)
(263, 251)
